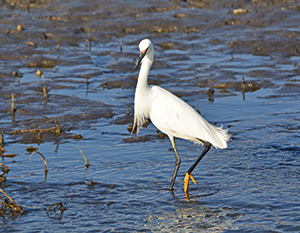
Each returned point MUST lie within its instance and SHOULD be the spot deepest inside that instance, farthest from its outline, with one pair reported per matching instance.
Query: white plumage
(171, 115)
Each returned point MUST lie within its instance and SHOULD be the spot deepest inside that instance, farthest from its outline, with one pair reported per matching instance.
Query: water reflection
(197, 217)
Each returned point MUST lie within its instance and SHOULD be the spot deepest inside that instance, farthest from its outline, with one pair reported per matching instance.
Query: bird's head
(146, 48)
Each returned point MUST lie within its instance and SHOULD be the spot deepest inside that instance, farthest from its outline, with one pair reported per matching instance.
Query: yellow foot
(187, 197)
(186, 181)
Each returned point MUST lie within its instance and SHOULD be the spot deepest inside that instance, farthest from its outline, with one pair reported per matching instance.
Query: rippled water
(200, 46)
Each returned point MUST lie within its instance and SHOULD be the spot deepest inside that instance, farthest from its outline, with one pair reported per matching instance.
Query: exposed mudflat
(237, 62)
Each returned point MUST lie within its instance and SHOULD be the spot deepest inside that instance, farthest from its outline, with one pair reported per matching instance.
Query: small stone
(180, 15)
(39, 73)
(31, 149)
(90, 183)
(239, 11)
(77, 136)
(20, 28)
(30, 43)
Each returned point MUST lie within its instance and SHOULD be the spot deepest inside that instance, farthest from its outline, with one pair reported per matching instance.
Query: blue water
(252, 186)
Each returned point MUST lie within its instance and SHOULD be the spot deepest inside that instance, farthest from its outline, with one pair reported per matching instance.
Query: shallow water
(252, 186)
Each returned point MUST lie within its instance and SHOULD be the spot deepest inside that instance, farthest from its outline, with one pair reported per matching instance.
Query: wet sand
(237, 61)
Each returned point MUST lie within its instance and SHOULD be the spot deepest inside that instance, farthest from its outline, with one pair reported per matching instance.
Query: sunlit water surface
(253, 185)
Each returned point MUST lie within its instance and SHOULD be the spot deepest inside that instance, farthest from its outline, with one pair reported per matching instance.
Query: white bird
(171, 115)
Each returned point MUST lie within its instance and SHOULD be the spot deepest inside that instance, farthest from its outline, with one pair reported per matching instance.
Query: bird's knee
(178, 162)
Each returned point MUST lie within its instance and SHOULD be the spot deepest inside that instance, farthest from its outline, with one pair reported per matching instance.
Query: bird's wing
(175, 117)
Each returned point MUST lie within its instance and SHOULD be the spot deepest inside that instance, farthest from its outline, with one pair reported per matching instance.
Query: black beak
(142, 55)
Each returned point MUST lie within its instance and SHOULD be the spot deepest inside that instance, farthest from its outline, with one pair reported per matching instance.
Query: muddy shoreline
(237, 62)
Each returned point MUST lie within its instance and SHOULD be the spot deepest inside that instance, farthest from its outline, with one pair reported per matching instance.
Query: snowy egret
(171, 115)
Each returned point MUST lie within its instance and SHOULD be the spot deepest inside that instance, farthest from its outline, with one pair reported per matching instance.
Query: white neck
(141, 103)
(144, 72)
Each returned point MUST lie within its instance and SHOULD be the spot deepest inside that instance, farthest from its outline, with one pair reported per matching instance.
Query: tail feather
(221, 137)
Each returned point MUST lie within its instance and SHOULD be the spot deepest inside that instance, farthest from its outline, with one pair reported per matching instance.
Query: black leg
(177, 163)
(207, 148)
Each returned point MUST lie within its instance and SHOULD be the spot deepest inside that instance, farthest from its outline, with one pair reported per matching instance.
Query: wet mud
(236, 62)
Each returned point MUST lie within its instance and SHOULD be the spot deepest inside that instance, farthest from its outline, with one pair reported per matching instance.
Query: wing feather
(175, 117)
